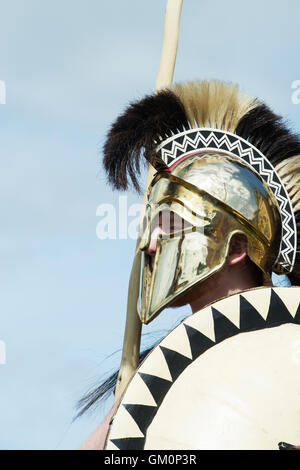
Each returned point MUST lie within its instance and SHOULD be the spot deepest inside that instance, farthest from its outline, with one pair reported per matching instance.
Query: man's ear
(237, 249)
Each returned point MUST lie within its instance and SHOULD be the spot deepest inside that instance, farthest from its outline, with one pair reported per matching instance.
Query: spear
(132, 335)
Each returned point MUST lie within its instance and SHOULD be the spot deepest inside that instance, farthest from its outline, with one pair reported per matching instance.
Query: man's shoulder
(96, 440)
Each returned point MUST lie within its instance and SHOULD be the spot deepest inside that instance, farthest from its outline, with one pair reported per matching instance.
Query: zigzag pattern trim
(177, 147)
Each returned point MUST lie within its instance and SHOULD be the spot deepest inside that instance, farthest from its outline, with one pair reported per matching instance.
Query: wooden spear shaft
(132, 335)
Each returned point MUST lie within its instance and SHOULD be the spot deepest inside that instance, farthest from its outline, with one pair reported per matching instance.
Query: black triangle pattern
(192, 136)
(250, 320)
(129, 443)
(180, 139)
(199, 343)
(142, 415)
(231, 138)
(168, 146)
(224, 146)
(205, 133)
(247, 158)
(224, 328)
(278, 313)
(297, 316)
(213, 144)
(292, 237)
(169, 160)
(219, 135)
(176, 362)
(235, 151)
(157, 386)
(284, 244)
(267, 163)
(244, 145)
(282, 192)
(190, 148)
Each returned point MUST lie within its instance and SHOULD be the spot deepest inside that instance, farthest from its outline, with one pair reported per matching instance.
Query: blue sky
(70, 68)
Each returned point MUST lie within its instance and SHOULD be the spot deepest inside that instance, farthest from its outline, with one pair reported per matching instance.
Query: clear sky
(69, 68)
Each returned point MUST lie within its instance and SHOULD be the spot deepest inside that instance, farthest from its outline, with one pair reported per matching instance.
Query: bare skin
(236, 275)
(96, 441)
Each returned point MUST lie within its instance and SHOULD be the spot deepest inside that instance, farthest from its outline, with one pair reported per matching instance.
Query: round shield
(227, 377)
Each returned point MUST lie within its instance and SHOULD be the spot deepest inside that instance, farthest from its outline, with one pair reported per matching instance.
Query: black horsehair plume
(103, 391)
(140, 127)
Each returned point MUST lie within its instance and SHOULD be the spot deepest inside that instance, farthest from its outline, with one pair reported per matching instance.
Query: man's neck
(229, 280)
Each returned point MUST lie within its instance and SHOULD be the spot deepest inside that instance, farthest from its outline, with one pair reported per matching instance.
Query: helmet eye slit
(170, 223)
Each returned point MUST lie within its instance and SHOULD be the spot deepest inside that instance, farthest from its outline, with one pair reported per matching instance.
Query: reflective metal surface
(210, 198)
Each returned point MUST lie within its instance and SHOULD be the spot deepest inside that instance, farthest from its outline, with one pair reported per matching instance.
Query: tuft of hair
(213, 103)
(289, 173)
(104, 390)
(269, 134)
(141, 127)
